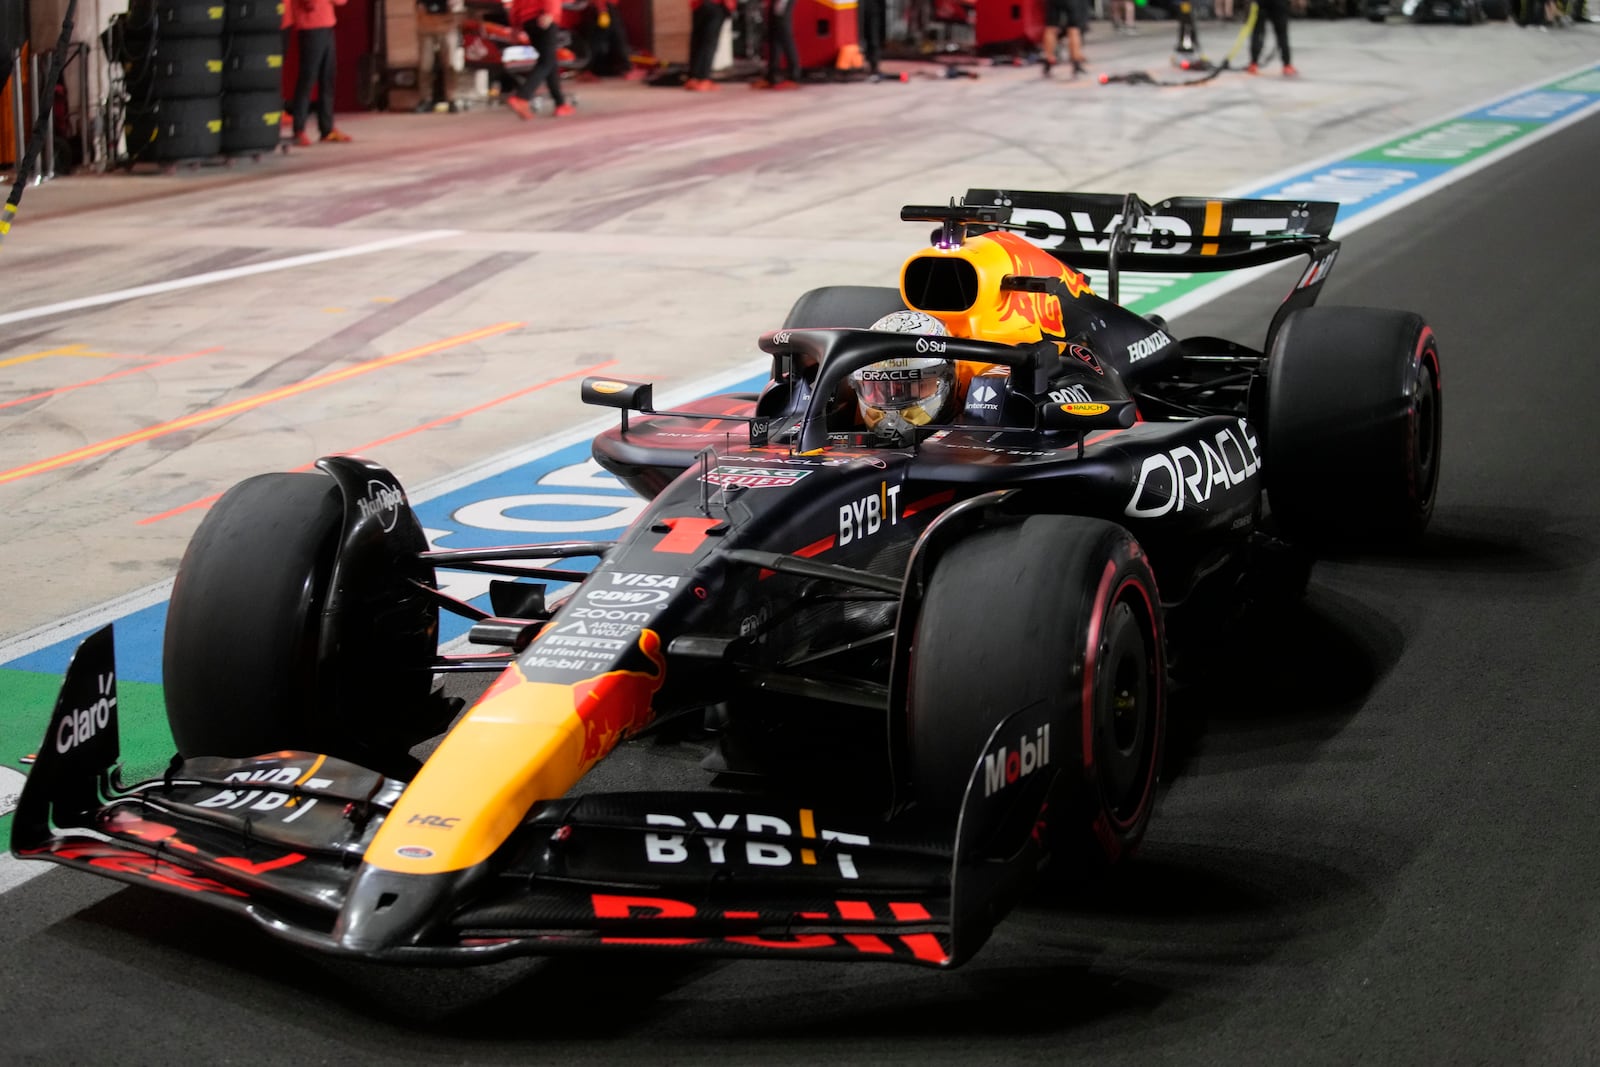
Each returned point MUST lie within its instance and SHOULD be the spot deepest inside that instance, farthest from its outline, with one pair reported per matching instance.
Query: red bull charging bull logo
(1040, 309)
(616, 703)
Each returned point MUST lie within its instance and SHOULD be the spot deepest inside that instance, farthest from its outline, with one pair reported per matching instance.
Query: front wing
(280, 838)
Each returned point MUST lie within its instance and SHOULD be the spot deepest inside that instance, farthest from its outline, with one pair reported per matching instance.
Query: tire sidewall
(985, 649)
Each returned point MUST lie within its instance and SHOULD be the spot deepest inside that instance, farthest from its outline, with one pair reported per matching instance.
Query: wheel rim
(1125, 714)
(1425, 433)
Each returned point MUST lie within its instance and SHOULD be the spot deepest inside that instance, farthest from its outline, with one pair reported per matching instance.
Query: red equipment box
(822, 29)
(1003, 24)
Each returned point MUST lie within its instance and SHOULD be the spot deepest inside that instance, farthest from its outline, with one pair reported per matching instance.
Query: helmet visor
(916, 390)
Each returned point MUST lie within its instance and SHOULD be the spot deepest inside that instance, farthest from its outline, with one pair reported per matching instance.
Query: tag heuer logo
(754, 477)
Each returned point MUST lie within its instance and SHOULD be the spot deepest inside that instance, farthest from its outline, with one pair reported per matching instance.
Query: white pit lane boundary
(14, 872)
(212, 277)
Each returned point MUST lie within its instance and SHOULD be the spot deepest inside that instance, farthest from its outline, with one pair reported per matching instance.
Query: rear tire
(1354, 426)
(1059, 610)
(241, 663)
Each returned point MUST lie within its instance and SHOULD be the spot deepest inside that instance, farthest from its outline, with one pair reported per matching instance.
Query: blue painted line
(1356, 185)
(1543, 106)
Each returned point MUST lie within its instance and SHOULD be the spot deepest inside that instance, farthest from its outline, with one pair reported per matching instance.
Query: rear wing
(1116, 232)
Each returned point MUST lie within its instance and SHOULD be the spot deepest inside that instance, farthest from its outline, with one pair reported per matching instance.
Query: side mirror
(612, 393)
(1075, 418)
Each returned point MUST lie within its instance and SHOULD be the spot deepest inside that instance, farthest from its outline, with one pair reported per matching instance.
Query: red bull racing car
(915, 607)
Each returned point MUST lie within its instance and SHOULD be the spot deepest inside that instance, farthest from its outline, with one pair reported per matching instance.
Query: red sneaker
(1252, 69)
(523, 109)
(303, 139)
(787, 84)
(337, 136)
(761, 83)
(1289, 71)
(563, 110)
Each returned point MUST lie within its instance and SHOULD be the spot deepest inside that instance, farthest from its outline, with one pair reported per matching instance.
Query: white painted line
(93, 618)
(13, 872)
(211, 277)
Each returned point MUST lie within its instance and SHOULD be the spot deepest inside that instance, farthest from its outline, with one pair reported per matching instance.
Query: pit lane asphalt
(1382, 848)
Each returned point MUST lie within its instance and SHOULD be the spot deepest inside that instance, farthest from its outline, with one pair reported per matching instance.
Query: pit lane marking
(207, 501)
(64, 350)
(212, 277)
(238, 407)
(108, 377)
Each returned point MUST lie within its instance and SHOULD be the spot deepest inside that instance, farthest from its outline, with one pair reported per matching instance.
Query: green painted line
(1452, 143)
(30, 698)
(1587, 82)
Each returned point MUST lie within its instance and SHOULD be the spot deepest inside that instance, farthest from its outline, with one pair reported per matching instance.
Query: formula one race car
(917, 604)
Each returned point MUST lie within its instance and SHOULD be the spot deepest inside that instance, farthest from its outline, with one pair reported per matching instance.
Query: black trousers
(781, 38)
(316, 68)
(873, 18)
(1278, 12)
(547, 69)
(608, 45)
(704, 32)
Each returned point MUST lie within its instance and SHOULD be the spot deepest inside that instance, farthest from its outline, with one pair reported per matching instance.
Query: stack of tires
(172, 71)
(252, 76)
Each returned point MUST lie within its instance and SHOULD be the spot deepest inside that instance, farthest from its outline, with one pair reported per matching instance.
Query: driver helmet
(907, 391)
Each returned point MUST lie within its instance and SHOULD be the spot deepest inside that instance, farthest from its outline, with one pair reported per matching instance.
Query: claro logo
(77, 727)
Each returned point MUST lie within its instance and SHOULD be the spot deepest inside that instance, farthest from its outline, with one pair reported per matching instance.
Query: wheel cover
(1425, 432)
(1126, 730)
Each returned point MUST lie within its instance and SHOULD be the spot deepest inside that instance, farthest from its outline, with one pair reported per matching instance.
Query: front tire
(1354, 426)
(241, 665)
(1058, 610)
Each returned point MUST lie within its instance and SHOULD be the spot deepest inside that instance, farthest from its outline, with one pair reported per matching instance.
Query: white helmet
(910, 390)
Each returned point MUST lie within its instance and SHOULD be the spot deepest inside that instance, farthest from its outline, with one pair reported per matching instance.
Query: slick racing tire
(240, 659)
(1060, 611)
(844, 307)
(1354, 426)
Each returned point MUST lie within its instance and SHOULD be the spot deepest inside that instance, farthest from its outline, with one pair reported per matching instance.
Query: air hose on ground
(1187, 56)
